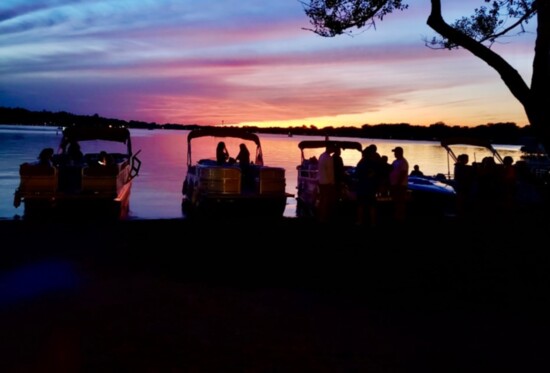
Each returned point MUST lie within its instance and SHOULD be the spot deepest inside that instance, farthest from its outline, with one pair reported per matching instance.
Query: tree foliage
(487, 24)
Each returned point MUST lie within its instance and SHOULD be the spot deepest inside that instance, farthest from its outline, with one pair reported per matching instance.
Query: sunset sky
(246, 62)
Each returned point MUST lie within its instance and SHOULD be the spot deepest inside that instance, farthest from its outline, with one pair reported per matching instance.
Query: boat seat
(208, 162)
(37, 178)
(100, 170)
(29, 169)
(104, 179)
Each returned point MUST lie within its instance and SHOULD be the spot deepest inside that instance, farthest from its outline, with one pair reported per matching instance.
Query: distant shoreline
(498, 133)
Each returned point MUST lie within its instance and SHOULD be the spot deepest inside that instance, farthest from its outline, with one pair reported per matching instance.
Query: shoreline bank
(287, 295)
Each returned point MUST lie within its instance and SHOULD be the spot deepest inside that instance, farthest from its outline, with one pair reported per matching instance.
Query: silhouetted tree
(475, 33)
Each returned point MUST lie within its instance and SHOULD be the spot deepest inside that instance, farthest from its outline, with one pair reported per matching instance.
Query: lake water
(156, 192)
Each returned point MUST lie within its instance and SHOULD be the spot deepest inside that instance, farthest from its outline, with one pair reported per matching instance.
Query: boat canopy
(104, 133)
(223, 132)
(466, 141)
(239, 133)
(85, 133)
(82, 133)
(448, 142)
(344, 145)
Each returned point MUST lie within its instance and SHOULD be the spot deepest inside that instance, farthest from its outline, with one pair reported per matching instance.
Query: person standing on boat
(367, 171)
(384, 179)
(463, 184)
(222, 155)
(327, 187)
(399, 180)
(70, 171)
(339, 172)
(244, 163)
(508, 179)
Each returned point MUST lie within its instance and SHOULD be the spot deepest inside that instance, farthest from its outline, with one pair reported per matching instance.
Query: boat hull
(81, 206)
(235, 206)
(213, 190)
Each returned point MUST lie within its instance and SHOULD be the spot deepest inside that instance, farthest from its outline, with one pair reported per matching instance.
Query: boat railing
(309, 168)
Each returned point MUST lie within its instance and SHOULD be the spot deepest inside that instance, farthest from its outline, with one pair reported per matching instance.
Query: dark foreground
(287, 295)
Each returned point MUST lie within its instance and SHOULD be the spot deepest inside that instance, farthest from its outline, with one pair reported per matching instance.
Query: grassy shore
(433, 294)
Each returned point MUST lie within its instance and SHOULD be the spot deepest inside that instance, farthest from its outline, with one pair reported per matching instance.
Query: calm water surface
(156, 192)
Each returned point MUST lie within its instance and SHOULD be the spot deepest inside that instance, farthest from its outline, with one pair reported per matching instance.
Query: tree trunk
(538, 109)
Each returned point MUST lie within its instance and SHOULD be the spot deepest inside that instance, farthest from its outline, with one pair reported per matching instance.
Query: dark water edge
(285, 294)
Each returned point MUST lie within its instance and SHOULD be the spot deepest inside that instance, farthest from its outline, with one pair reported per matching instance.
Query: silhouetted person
(74, 152)
(327, 188)
(70, 172)
(416, 171)
(45, 157)
(399, 180)
(244, 156)
(367, 172)
(508, 186)
(487, 184)
(384, 178)
(244, 162)
(339, 172)
(105, 158)
(222, 155)
(463, 184)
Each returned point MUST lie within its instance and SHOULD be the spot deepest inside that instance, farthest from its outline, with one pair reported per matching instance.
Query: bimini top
(239, 133)
(344, 145)
(83, 133)
(89, 133)
(223, 132)
(448, 142)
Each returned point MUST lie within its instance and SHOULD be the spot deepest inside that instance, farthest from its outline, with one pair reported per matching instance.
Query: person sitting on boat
(74, 152)
(105, 158)
(45, 157)
(222, 155)
(416, 171)
(244, 156)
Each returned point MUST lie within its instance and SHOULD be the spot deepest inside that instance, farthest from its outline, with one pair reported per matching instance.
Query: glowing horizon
(252, 65)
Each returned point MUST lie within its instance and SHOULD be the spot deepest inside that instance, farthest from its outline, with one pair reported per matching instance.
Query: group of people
(485, 185)
(222, 155)
(242, 159)
(375, 176)
(74, 154)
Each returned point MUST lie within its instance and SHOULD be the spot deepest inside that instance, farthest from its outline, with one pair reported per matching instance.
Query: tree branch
(508, 74)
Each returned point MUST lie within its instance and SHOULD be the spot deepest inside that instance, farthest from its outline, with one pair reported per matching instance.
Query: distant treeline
(498, 133)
